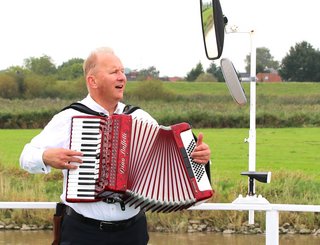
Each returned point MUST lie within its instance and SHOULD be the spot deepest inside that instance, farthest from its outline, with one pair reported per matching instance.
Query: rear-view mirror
(213, 23)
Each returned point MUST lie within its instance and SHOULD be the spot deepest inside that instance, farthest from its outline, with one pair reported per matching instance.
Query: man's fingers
(201, 153)
(201, 156)
(74, 153)
(69, 166)
(74, 158)
(60, 158)
(200, 139)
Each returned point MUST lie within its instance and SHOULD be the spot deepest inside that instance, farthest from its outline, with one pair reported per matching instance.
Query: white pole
(252, 130)
(272, 227)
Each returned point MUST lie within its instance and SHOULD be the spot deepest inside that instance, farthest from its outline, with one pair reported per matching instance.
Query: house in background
(269, 76)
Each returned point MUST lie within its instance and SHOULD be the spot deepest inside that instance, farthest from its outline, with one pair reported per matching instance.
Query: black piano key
(89, 162)
(85, 183)
(86, 190)
(90, 145)
(91, 155)
(94, 121)
(88, 150)
(89, 138)
(81, 166)
(86, 173)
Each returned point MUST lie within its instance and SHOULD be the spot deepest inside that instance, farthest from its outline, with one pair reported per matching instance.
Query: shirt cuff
(44, 168)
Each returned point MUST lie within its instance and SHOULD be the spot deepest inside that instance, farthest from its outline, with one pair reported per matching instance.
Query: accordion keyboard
(86, 138)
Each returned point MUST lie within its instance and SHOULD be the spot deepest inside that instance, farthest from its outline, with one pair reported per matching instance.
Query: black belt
(104, 225)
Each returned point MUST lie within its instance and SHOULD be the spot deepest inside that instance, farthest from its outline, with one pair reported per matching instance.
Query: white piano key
(83, 176)
(75, 186)
(78, 193)
(76, 180)
(75, 196)
(82, 171)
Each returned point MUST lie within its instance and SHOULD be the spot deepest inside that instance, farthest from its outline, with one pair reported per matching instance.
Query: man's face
(109, 78)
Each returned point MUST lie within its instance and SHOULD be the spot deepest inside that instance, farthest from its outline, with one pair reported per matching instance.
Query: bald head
(91, 62)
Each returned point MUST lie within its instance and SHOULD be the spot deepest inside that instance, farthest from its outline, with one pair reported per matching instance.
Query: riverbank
(157, 238)
(193, 226)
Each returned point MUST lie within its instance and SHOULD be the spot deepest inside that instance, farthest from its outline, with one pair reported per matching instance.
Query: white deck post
(272, 227)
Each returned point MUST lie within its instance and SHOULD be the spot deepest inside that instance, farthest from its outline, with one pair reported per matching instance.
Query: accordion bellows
(147, 165)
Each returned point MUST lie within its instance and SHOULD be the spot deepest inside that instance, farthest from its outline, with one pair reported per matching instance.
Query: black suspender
(128, 109)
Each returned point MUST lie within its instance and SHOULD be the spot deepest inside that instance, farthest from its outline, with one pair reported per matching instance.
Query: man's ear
(91, 81)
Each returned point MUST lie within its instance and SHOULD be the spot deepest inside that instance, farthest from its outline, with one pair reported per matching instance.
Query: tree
(35, 86)
(195, 72)
(8, 86)
(148, 74)
(70, 70)
(206, 77)
(41, 66)
(264, 61)
(302, 63)
(215, 71)
(18, 73)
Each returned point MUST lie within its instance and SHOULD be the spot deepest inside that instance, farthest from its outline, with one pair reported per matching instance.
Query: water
(45, 237)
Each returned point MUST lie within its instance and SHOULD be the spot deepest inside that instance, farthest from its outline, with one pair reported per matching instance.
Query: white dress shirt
(56, 134)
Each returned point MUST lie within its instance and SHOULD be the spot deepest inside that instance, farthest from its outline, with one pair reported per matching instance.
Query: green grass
(11, 144)
(202, 104)
(289, 153)
(292, 149)
(213, 88)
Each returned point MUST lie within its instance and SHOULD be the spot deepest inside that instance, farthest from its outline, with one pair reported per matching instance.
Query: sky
(166, 34)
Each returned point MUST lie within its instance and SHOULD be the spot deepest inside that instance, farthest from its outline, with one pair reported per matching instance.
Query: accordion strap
(128, 109)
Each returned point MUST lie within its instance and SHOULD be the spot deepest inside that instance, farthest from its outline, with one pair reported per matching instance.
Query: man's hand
(60, 158)
(201, 153)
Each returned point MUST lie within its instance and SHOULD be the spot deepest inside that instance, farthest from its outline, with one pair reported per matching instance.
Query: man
(95, 222)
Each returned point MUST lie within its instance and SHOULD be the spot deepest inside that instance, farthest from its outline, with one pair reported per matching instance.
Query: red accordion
(147, 165)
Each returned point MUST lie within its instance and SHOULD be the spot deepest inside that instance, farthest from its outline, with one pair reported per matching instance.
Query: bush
(8, 86)
(25, 120)
(69, 89)
(206, 77)
(151, 90)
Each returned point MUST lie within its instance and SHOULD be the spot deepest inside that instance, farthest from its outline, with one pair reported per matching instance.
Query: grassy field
(203, 105)
(284, 89)
(290, 153)
(289, 150)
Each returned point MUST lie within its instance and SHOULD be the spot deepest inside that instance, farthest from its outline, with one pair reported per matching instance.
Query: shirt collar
(92, 104)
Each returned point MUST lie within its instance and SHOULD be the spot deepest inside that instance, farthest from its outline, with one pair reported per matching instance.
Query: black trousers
(74, 232)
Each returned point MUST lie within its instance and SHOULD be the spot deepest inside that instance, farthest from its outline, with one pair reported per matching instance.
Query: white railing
(272, 212)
